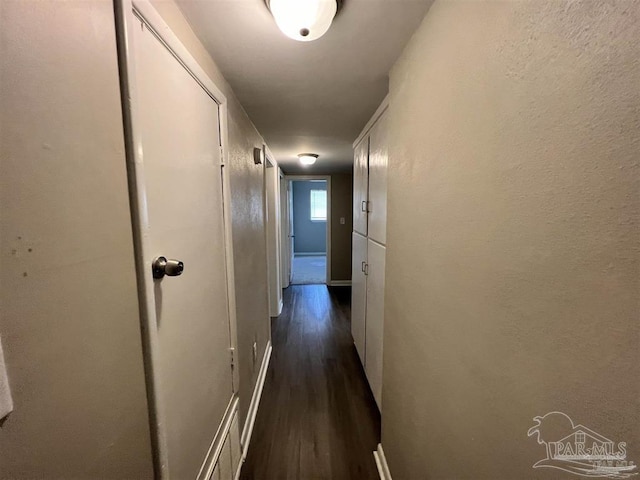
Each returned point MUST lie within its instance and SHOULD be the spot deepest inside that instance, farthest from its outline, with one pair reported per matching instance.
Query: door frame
(295, 178)
(271, 191)
(285, 259)
(145, 11)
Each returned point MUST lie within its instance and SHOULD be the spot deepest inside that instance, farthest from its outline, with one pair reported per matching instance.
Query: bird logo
(579, 450)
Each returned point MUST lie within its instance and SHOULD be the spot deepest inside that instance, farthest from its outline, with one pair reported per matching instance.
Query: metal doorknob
(161, 267)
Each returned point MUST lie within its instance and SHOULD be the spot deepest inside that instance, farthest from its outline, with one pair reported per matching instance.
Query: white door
(375, 318)
(378, 160)
(359, 293)
(179, 126)
(360, 186)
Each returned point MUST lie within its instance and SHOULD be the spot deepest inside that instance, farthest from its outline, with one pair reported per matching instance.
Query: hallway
(467, 182)
(317, 417)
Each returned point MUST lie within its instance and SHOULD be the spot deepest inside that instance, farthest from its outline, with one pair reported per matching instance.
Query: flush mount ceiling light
(308, 158)
(304, 20)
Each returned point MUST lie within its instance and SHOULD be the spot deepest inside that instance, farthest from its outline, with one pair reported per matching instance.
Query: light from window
(318, 205)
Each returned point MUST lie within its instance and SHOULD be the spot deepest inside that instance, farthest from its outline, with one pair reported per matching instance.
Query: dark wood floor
(317, 417)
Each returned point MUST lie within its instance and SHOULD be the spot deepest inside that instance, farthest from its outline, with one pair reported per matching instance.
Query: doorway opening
(309, 220)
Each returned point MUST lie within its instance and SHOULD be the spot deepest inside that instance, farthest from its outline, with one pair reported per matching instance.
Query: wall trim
(381, 463)
(310, 254)
(280, 306)
(247, 430)
(340, 283)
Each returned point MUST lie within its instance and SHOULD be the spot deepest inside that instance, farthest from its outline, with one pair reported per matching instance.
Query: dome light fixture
(304, 20)
(308, 158)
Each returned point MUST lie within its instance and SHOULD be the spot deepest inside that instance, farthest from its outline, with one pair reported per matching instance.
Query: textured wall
(513, 262)
(310, 236)
(69, 306)
(247, 194)
(341, 206)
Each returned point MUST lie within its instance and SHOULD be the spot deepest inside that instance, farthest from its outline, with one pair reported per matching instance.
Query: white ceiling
(307, 96)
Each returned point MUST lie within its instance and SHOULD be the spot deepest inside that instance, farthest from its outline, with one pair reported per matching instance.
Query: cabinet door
(375, 318)
(378, 162)
(359, 293)
(360, 186)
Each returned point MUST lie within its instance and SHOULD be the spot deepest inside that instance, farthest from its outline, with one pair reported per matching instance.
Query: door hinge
(233, 359)
(365, 268)
(221, 156)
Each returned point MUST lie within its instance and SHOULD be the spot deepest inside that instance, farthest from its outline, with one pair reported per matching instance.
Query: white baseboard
(381, 463)
(247, 430)
(310, 254)
(340, 283)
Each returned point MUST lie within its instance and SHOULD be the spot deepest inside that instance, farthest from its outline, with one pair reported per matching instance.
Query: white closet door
(375, 318)
(378, 162)
(359, 293)
(360, 186)
(178, 123)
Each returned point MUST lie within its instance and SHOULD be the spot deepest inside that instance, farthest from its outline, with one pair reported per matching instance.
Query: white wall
(68, 300)
(513, 262)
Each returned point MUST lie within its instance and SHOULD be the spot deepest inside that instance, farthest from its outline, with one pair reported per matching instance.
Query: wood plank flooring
(317, 418)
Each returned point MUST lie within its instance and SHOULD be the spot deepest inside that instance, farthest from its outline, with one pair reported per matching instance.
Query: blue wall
(311, 237)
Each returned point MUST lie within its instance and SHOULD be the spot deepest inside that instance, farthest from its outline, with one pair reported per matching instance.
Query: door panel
(179, 127)
(375, 318)
(360, 186)
(378, 161)
(224, 461)
(359, 294)
(236, 450)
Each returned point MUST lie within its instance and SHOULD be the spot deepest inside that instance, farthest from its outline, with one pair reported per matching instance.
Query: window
(580, 437)
(318, 205)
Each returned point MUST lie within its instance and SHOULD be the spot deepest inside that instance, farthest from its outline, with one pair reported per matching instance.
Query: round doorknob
(161, 267)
